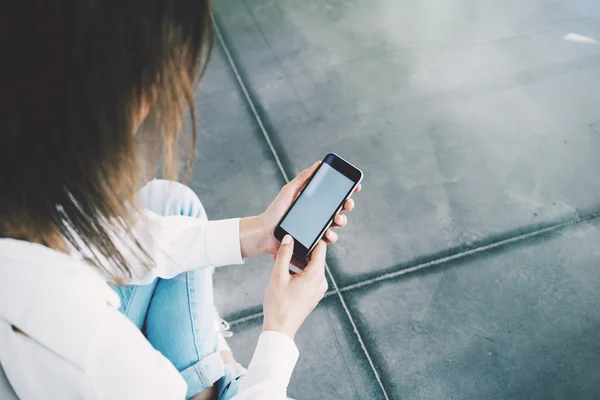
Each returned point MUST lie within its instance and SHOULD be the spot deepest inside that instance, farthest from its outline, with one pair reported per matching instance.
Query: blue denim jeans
(177, 315)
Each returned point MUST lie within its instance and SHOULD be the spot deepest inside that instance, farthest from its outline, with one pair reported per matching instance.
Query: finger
(316, 266)
(358, 188)
(309, 171)
(340, 220)
(331, 236)
(300, 180)
(306, 173)
(284, 257)
(349, 205)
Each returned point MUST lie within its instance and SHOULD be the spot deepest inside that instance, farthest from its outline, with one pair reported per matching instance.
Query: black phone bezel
(346, 169)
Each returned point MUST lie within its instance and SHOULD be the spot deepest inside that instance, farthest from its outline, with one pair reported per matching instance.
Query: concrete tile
(587, 8)
(514, 323)
(235, 175)
(218, 76)
(287, 38)
(472, 124)
(331, 364)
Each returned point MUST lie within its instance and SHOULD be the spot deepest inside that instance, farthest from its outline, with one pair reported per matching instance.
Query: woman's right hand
(291, 298)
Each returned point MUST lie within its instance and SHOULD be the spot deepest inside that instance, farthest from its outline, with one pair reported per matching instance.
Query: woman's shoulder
(32, 369)
(51, 299)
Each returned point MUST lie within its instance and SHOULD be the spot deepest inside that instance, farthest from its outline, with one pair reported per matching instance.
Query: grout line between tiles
(514, 239)
(442, 260)
(249, 100)
(247, 318)
(286, 178)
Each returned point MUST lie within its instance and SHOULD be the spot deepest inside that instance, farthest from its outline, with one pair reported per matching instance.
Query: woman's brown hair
(75, 76)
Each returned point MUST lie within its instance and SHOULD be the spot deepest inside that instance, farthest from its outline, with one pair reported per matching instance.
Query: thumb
(300, 180)
(284, 257)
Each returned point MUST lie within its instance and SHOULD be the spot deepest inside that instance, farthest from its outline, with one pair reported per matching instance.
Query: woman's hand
(289, 299)
(257, 233)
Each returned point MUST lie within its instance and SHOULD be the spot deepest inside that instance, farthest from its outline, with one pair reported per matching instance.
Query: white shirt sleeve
(124, 365)
(271, 368)
(178, 244)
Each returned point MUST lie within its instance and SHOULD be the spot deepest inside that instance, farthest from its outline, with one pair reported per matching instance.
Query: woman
(79, 79)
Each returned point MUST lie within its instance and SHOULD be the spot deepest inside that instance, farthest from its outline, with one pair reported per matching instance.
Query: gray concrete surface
(477, 124)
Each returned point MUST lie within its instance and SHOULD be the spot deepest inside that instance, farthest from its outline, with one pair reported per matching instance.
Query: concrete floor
(469, 269)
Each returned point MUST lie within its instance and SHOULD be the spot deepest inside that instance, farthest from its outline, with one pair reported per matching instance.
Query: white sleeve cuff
(275, 352)
(223, 242)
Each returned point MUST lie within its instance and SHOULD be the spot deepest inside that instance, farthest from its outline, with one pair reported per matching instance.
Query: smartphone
(321, 199)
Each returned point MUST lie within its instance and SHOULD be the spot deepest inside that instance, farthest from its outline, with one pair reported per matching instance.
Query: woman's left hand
(257, 233)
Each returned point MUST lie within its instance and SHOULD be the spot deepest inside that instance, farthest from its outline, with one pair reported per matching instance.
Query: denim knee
(165, 197)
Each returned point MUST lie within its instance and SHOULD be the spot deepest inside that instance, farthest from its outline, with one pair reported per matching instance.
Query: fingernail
(287, 239)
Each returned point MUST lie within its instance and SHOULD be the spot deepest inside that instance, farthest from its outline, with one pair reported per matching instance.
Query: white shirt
(63, 337)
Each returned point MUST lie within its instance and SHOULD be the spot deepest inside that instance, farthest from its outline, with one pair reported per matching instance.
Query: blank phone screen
(316, 205)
